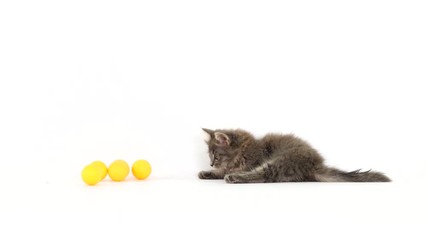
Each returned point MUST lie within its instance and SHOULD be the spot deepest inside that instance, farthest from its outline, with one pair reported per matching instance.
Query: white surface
(189, 208)
(89, 80)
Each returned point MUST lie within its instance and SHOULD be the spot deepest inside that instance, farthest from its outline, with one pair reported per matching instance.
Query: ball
(91, 174)
(141, 169)
(118, 170)
(102, 167)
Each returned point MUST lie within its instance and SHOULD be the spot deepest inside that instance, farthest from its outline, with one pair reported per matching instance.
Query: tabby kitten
(238, 157)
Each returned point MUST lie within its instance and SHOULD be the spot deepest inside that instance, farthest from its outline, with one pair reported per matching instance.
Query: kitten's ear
(222, 139)
(208, 131)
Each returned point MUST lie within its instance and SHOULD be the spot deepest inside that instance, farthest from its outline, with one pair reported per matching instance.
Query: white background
(88, 80)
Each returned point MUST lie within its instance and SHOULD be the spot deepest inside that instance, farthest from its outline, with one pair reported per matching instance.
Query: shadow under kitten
(238, 157)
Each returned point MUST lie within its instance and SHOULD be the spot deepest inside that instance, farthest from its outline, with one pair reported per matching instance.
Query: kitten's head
(224, 145)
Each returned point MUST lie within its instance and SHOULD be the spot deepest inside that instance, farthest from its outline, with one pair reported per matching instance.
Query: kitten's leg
(255, 176)
(248, 177)
(213, 174)
(267, 172)
(294, 165)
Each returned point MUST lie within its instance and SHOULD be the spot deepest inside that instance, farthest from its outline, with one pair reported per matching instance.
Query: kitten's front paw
(233, 178)
(206, 175)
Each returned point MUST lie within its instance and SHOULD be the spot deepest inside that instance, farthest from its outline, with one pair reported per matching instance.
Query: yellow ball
(141, 169)
(102, 167)
(91, 174)
(118, 170)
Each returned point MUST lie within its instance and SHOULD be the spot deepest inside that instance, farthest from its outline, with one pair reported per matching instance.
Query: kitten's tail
(336, 175)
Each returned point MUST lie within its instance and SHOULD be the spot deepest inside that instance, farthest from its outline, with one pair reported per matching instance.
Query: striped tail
(336, 175)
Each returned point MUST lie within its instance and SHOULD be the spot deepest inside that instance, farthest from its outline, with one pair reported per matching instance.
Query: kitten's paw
(206, 175)
(233, 178)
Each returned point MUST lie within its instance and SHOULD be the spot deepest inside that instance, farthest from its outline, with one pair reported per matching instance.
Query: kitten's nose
(212, 164)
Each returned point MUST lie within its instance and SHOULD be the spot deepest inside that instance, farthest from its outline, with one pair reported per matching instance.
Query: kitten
(238, 157)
